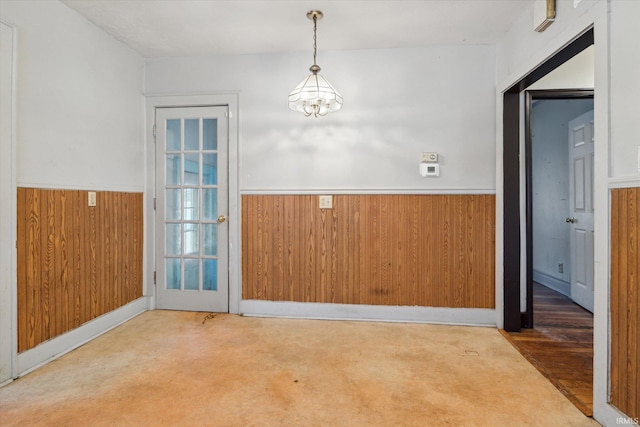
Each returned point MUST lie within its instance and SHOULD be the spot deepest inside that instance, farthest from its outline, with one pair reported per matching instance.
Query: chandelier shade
(315, 95)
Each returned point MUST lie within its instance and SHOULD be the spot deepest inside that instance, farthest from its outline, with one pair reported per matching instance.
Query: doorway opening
(559, 195)
(521, 296)
(558, 334)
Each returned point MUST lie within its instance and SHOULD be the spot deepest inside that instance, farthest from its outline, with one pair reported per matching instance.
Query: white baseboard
(554, 283)
(380, 313)
(608, 415)
(60, 345)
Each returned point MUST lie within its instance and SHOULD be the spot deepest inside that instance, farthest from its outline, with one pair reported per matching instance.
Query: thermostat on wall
(429, 169)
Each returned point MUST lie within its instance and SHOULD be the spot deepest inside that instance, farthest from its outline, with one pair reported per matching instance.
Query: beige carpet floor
(168, 368)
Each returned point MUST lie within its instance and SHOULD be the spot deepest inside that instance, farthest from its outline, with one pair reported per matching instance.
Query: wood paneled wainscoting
(75, 262)
(625, 300)
(399, 250)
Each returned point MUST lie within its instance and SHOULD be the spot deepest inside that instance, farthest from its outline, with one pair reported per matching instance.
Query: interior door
(581, 209)
(191, 209)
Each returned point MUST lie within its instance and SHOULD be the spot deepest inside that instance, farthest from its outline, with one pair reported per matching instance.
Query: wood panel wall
(411, 250)
(625, 300)
(75, 262)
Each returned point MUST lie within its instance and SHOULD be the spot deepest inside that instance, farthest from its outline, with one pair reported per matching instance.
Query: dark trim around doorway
(513, 317)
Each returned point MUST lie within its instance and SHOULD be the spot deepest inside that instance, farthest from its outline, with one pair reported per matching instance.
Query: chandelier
(315, 95)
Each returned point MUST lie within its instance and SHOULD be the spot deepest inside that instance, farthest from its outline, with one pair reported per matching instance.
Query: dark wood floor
(560, 345)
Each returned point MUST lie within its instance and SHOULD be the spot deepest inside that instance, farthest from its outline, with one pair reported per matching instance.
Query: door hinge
(228, 114)
(154, 133)
(154, 277)
(154, 203)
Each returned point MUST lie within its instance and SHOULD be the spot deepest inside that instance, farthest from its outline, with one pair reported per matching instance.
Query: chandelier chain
(315, 47)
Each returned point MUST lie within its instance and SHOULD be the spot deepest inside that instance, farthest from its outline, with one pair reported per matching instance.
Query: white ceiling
(165, 28)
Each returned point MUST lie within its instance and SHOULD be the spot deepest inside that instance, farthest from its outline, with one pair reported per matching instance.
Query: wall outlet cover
(430, 157)
(326, 202)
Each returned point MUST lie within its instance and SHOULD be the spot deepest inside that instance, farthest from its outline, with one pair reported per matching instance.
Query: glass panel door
(191, 207)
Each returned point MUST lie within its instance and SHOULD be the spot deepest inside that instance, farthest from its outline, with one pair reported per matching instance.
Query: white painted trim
(58, 346)
(499, 251)
(558, 285)
(626, 182)
(232, 100)
(83, 186)
(278, 191)
(603, 411)
(381, 313)
(9, 301)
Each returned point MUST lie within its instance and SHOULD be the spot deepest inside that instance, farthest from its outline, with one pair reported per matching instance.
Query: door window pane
(173, 135)
(192, 274)
(210, 202)
(209, 169)
(191, 204)
(173, 240)
(172, 267)
(192, 169)
(210, 239)
(210, 275)
(191, 239)
(191, 134)
(172, 204)
(173, 169)
(210, 134)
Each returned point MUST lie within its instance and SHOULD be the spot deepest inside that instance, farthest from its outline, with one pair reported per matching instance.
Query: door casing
(513, 318)
(231, 100)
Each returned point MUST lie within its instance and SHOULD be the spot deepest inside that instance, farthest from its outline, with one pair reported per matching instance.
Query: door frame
(8, 230)
(530, 96)
(231, 100)
(512, 175)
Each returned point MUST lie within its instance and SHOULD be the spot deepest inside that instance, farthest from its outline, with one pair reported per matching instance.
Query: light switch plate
(92, 198)
(326, 202)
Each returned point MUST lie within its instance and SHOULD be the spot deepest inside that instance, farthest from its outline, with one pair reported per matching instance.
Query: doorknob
(572, 220)
(222, 218)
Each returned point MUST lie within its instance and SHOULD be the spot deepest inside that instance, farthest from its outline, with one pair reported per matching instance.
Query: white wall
(576, 73)
(398, 103)
(523, 46)
(625, 89)
(550, 187)
(80, 115)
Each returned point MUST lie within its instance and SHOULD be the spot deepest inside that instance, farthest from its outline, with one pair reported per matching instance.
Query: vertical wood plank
(48, 317)
(25, 256)
(632, 306)
(615, 292)
(78, 259)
